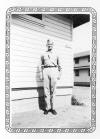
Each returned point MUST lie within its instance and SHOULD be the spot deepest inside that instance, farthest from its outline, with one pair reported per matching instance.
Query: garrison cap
(49, 41)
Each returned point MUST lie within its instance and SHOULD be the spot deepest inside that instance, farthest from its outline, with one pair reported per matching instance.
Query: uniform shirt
(49, 58)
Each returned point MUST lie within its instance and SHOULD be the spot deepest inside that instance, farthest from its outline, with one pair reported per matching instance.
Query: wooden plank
(58, 31)
(57, 25)
(59, 28)
(25, 84)
(59, 19)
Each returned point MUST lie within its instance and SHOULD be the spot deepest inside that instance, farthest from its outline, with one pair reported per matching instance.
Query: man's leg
(52, 94)
(47, 89)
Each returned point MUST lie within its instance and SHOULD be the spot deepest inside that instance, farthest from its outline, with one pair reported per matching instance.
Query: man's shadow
(40, 90)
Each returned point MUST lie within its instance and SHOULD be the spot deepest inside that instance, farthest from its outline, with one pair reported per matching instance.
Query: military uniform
(51, 70)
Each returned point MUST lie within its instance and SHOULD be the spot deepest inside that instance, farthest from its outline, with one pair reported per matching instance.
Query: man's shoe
(45, 112)
(53, 112)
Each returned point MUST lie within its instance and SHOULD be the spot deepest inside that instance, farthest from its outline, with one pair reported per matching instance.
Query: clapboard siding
(43, 29)
(62, 27)
(57, 25)
(26, 32)
(54, 30)
(59, 20)
(27, 45)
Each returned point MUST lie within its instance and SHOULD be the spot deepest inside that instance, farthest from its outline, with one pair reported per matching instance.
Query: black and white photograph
(50, 69)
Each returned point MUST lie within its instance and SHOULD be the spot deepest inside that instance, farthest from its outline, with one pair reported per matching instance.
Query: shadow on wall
(40, 90)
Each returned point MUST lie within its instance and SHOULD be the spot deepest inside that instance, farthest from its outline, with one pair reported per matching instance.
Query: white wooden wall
(27, 45)
(28, 42)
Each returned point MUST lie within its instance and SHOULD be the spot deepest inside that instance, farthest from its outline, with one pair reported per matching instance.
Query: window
(76, 72)
(88, 58)
(39, 16)
(88, 72)
(76, 60)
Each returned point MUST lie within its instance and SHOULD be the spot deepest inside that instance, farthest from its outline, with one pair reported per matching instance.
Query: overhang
(78, 19)
(82, 54)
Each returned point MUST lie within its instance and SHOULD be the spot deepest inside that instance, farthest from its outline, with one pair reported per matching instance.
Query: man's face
(50, 46)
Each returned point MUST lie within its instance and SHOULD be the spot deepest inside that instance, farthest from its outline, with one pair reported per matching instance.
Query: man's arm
(59, 68)
(41, 67)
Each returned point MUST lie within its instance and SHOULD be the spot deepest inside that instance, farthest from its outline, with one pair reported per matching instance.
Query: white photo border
(68, 10)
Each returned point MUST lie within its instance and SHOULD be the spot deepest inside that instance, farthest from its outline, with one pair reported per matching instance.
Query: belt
(50, 66)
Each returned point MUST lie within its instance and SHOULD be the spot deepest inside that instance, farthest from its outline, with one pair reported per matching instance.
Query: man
(51, 72)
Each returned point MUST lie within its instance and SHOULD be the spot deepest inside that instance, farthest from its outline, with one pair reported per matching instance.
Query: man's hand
(41, 78)
(41, 75)
(59, 76)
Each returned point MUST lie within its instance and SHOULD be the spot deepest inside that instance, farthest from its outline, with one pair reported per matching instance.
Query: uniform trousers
(50, 79)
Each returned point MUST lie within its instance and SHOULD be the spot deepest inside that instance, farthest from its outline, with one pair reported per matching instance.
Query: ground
(74, 116)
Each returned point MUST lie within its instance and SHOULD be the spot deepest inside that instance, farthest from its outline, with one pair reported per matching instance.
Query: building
(82, 69)
(28, 36)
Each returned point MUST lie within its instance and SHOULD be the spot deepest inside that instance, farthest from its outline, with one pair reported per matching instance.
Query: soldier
(51, 72)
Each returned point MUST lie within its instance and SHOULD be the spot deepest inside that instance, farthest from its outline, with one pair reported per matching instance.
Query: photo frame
(59, 10)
